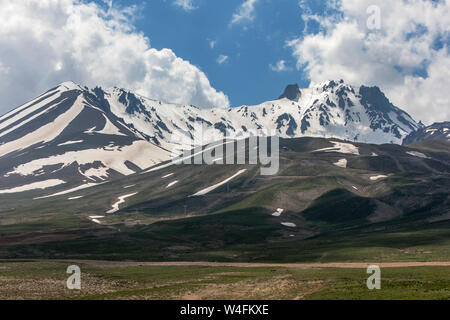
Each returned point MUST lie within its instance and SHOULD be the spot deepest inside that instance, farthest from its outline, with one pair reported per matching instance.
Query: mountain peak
(292, 92)
(331, 85)
(70, 85)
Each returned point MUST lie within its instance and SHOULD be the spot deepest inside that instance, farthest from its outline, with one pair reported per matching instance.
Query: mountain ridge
(83, 136)
(439, 131)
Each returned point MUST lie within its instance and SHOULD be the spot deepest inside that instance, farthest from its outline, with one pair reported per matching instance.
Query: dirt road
(344, 265)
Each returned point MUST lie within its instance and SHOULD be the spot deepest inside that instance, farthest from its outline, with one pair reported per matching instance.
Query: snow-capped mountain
(439, 131)
(80, 135)
(68, 135)
(330, 109)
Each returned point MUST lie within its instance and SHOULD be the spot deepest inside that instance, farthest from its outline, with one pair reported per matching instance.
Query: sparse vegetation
(332, 208)
(47, 280)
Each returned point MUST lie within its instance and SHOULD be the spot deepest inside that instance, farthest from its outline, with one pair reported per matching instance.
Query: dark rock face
(439, 131)
(287, 119)
(292, 92)
(221, 127)
(372, 98)
(378, 108)
(305, 123)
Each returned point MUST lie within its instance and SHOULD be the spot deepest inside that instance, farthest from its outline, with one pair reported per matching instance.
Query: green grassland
(340, 215)
(47, 280)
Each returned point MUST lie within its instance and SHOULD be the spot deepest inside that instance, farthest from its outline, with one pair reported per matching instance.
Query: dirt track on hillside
(343, 265)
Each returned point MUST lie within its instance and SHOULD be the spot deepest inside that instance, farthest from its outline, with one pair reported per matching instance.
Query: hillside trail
(343, 265)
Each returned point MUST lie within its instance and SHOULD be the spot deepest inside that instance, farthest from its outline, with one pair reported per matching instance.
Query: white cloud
(408, 57)
(212, 44)
(44, 43)
(280, 66)
(187, 5)
(222, 59)
(245, 13)
(3, 69)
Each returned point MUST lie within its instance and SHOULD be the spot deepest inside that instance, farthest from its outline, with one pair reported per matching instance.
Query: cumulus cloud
(280, 66)
(408, 56)
(43, 43)
(222, 59)
(245, 12)
(187, 5)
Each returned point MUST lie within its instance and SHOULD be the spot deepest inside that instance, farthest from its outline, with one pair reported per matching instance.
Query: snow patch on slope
(172, 184)
(211, 188)
(75, 198)
(379, 177)
(45, 133)
(278, 212)
(70, 142)
(100, 173)
(289, 224)
(341, 147)
(121, 199)
(141, 153)
(95, 219)
(23, 122)
(341, 163)
(418, 154)
(83, 186)
(25, 111)
(109, 128)
(35, 185)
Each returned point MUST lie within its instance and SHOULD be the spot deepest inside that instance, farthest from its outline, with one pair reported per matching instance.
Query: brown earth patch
(344, 265)
(278, 288)
(48, 288)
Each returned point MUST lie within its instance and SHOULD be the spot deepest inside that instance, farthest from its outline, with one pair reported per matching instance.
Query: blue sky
(163, 51)
(250, 46)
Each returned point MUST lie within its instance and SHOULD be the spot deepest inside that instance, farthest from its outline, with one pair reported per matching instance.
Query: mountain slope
(80, 136)
(439, 131)
(67, 134)
(313, 203)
